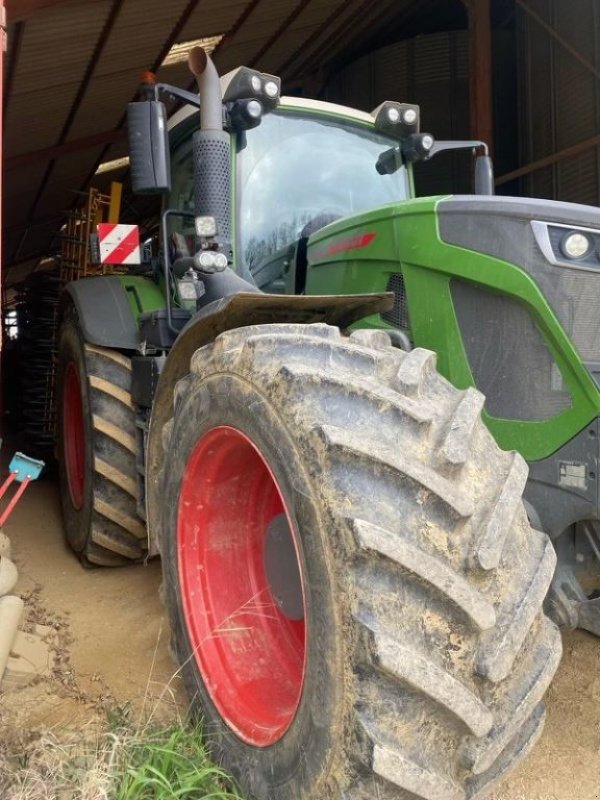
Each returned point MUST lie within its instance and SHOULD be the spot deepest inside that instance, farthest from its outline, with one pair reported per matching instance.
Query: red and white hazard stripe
(119, 244)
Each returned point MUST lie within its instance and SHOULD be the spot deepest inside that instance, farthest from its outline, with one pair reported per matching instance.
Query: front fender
(104, 312)
(236, 311)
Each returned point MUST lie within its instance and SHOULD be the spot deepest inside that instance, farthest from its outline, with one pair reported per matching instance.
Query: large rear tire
(354, 590)
(97, 451)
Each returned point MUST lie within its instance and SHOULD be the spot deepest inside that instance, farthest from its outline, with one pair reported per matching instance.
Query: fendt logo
(356, 242)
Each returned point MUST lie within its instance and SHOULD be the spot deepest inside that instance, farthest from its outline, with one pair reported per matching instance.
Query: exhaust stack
(212, 158)
(209, 88)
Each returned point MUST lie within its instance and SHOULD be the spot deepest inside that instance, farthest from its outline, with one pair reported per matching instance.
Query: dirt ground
(114, 637)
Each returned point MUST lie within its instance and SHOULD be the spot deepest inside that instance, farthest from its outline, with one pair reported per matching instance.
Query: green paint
(143, 294)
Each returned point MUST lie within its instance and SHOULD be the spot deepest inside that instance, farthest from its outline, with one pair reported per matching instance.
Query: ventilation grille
(398, 315)
(509, 359)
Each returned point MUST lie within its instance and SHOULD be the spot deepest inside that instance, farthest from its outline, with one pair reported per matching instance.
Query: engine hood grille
(501, 227)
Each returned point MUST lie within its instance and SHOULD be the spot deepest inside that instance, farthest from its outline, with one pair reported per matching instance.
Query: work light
(206, 227)
(396, 119)
(417, 147)
(244, 83)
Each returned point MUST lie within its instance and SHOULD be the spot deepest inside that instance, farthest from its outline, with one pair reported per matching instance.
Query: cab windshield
(296, 173)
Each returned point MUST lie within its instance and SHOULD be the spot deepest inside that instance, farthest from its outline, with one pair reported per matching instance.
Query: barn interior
(521, 75)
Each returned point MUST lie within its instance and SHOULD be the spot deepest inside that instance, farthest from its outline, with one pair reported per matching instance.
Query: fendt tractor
(354, 584)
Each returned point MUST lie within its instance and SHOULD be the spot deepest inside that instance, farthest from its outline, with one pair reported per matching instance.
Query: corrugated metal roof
(73, 65)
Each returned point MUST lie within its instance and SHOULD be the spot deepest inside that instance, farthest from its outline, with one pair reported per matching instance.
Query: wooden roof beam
(480, 70)
(65, 149)
(20, 10)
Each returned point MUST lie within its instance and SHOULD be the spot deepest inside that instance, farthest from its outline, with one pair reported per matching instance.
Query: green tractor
(354, 584)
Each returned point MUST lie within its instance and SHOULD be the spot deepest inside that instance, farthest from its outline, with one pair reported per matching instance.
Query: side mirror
(149, 159)
(484, 175)
(389, 161)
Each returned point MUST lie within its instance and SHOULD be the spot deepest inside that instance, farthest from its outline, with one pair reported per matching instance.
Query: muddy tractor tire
(354, 591)
(96, 444)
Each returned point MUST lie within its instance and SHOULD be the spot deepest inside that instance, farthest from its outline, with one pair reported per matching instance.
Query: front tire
(96, 443)
(425, 653)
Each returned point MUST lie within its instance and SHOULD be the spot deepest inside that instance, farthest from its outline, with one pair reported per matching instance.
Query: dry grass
(121, 761)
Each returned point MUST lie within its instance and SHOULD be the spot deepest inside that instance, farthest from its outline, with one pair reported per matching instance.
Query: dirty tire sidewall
(307, 747)
(428, 653)
(77, 521)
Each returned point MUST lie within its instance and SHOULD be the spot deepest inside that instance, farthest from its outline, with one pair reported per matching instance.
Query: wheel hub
(241, 586)
(281, 568)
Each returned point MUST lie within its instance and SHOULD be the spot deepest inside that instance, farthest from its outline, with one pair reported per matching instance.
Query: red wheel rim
(250, 653)
(74, 436)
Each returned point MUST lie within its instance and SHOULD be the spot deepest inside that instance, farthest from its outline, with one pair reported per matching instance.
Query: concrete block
(11, 616)
(4, 545)
(8, 575)
(29, 658)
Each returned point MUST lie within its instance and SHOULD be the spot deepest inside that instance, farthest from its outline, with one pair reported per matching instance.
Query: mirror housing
(149, 157)
(389, 161)
(484, 175)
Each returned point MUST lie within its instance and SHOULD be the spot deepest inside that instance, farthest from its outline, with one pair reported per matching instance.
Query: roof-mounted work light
(397, 119)
(244, 83)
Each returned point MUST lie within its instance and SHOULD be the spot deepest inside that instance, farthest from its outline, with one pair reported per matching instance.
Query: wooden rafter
(20, 10)
(64, 149)
(557, 36)
(11, 67)
(480, 70)
(82, 89)
(168, 44)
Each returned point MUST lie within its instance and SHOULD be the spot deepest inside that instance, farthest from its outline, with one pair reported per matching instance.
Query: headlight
(576, 245)
(568, 245)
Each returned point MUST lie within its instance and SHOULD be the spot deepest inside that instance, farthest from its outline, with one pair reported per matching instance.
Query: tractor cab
(290, 167)
(305, 166)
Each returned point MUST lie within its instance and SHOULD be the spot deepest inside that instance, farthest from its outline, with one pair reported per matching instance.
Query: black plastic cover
(149, 147)
(145, 371)
(154, 328)
(104, 312)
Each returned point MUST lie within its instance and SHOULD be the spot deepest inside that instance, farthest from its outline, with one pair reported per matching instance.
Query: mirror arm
(174, 91)
(441, 146)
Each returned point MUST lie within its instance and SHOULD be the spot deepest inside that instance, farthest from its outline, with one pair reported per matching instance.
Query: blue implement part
(25, 467)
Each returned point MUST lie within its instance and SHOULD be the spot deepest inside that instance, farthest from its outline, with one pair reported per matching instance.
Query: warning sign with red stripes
(119, 244)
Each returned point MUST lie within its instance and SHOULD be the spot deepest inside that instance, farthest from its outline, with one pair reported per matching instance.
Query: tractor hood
(530, 233)
(484, 282)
